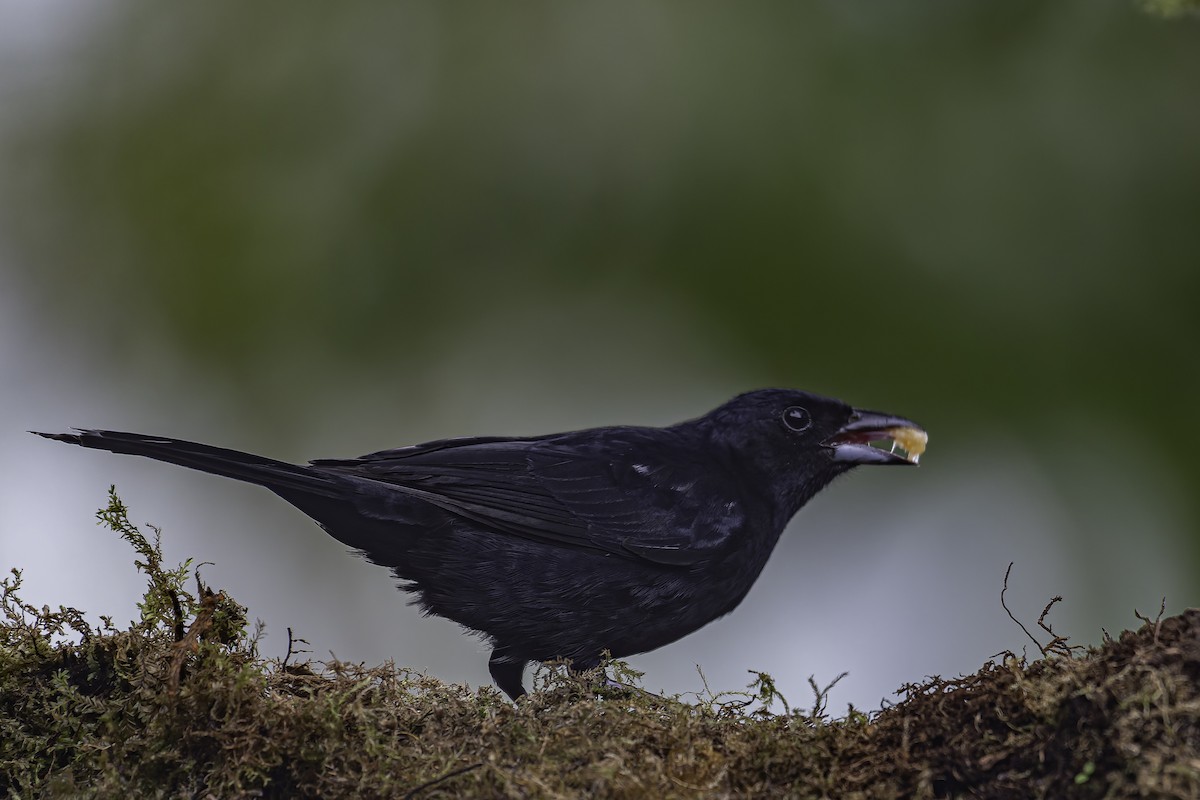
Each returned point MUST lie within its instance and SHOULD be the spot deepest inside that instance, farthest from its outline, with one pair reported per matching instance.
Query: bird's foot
(611, 684)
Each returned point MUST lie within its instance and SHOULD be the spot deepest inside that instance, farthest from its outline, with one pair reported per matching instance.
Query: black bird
(566, 545)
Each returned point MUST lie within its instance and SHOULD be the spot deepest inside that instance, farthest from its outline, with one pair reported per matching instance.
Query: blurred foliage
(181, 704)
(1172, 8)
(988, 208)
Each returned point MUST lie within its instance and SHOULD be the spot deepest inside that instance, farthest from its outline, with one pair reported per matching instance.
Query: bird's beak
(873, 438)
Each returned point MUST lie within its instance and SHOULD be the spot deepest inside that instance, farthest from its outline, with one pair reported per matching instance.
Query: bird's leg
(507, 671)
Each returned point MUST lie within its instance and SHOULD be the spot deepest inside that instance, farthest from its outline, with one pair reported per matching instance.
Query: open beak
(873, 438)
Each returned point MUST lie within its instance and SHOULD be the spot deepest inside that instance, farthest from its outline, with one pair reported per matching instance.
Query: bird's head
(798, 442)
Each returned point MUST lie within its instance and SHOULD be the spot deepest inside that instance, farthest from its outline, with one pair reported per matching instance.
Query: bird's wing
(625, 494)
(662, 504)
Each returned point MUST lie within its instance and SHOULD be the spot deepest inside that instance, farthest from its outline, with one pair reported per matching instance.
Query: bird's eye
(797, 418)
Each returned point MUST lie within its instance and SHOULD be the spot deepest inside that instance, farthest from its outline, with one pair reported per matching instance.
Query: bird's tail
(279, 476)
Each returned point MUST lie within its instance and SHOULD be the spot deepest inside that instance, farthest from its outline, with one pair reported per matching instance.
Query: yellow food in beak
(912, 440)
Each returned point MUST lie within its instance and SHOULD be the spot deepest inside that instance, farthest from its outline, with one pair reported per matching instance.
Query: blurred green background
(321, 230)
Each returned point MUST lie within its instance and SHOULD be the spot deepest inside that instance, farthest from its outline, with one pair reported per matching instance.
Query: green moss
(180, 704)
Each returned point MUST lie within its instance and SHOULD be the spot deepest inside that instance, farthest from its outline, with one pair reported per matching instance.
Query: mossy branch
(180, 704)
